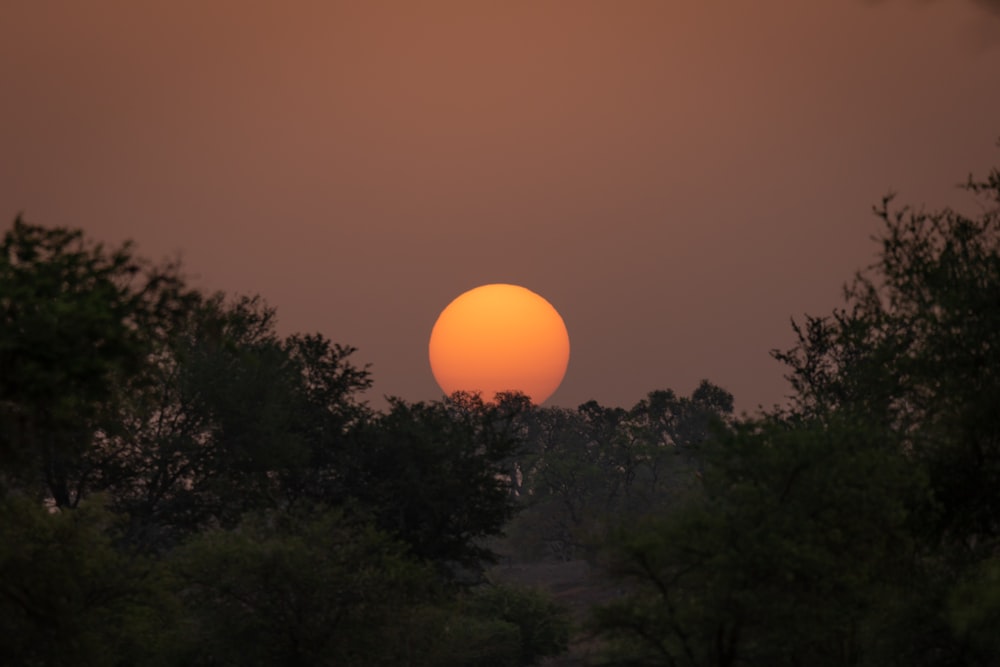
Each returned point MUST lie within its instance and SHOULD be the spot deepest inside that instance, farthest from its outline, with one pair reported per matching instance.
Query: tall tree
(862, 526)
(236, 419)
(917, 348)
(77, 321)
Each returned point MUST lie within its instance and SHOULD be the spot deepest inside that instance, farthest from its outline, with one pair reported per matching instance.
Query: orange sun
(499, 338)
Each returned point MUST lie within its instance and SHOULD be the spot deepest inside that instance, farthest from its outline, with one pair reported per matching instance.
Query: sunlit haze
(679, 178)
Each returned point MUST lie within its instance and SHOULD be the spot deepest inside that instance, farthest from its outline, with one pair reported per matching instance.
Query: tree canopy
(860, 525)
(180, 484)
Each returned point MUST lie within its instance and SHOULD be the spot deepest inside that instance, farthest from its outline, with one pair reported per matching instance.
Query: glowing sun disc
(497, 338)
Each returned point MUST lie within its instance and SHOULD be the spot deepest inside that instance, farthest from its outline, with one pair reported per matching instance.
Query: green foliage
(543, 627)
(433, 474)
(283, 589)
(862, 526)
(587, 469)
(498, 626)
(974, 610)
(69, 596)
(917, 349)
(563, 485)
(76, 322)
(778, 561)
(916, 352)
(447, 637)
(325, 589)
(231, 418)
(180, 485)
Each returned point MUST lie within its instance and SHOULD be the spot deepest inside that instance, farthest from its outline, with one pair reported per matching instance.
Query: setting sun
(498, 338)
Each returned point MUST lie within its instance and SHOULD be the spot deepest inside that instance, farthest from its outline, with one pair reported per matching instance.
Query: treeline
(861, 525)
(180, 485)
(580, 473)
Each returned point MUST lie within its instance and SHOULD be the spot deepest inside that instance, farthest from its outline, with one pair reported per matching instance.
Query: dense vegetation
(180, 485)
(861, 526)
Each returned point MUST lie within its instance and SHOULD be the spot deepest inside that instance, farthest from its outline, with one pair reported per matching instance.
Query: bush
(543, 625)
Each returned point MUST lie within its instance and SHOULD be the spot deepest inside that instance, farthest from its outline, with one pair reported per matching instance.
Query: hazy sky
(678, 179)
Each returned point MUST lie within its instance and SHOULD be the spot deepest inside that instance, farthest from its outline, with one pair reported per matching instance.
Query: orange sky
(677, 178)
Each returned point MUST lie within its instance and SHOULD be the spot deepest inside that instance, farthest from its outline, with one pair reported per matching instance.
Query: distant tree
(562, 485)
(589, 469)
(669, 429)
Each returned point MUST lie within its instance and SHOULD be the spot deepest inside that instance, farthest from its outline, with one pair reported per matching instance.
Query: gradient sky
(678, 179)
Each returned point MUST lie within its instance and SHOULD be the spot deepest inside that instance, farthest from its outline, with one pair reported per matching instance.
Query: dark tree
(77, 323)
(861, 526)
(301, 589)
(234, 419)
(70, 596)
(435, 475)
(799, 532)
(181, 485)
(586, 470)
(917, 348)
